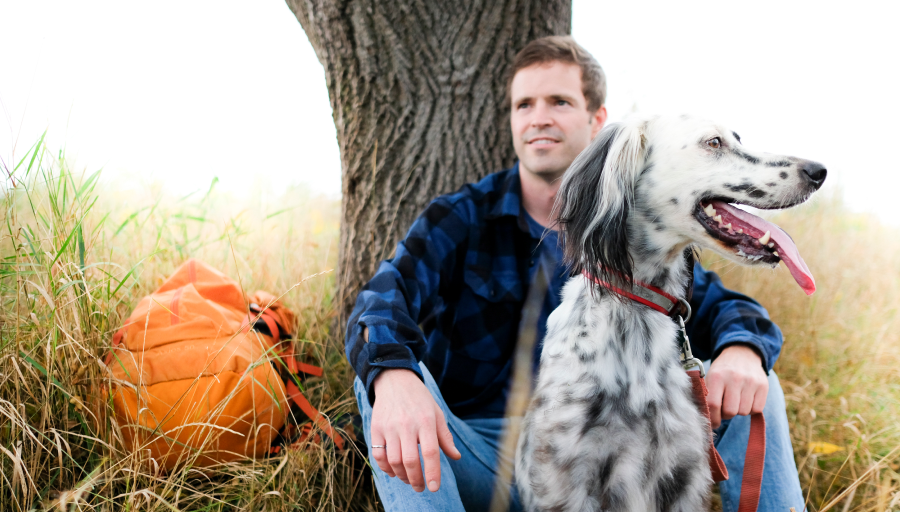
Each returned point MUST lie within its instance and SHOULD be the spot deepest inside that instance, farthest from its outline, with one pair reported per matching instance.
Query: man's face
(550, 120)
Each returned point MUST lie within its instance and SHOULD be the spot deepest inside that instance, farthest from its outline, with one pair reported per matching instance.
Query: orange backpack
(197, 372)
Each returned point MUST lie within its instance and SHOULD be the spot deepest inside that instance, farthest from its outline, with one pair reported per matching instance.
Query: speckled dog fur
(612, 425)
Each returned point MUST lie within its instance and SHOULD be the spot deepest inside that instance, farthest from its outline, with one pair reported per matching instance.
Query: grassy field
(78, 254)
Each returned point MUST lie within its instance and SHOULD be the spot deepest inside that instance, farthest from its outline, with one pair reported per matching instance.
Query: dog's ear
(595, 199)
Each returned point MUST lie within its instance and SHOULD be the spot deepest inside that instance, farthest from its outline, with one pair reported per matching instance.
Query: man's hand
(405, 416)
(737, 384)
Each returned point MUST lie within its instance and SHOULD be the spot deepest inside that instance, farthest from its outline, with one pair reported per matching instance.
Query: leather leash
(673, 307)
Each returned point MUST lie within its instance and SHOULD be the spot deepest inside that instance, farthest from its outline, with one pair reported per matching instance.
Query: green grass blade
(43, 370)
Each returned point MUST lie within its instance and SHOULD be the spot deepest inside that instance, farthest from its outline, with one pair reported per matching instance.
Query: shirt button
(378, 360)
(493, 292)
(531, 263)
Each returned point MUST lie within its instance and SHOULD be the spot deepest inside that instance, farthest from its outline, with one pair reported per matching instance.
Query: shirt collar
(509, 196)
(509, 200)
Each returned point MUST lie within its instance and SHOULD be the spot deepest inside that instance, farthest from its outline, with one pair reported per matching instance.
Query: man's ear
(598, 119)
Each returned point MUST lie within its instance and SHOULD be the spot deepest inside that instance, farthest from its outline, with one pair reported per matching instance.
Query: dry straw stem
(77, 254)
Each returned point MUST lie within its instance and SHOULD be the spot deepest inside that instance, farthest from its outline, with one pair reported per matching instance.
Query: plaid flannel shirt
(453, 293)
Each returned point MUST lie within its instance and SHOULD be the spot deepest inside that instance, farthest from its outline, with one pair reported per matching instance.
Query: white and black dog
(612, 424)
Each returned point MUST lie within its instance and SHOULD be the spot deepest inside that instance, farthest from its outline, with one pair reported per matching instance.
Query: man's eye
(560, 103)
(714, 143)
(522, 105)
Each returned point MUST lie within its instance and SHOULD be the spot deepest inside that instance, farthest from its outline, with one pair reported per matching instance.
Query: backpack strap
(318, 418)
(270, 320)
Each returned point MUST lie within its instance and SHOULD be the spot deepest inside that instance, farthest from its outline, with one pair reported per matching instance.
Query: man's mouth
(542, 141)
(753, 238)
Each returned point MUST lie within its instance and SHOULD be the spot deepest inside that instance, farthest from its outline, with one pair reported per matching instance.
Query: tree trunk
(418, 94)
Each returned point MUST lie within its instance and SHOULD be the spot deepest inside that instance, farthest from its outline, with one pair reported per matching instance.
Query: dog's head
(648, 188)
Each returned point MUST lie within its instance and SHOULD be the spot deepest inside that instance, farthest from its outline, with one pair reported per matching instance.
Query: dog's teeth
(710, 210)
(740, 231)
(771, 245)
(763, 240)
(718, 218)
(776, 254)
(727, 226)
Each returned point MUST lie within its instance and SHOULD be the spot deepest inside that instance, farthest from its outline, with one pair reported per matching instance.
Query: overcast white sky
(186, 90)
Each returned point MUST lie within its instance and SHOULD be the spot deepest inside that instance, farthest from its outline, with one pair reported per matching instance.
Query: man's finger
(395, 458)
(714, 400)
(759, 400)
(411, 464)
(747, 396)
(731, 401)
(380, 455)
(445, 438)
(431, 458)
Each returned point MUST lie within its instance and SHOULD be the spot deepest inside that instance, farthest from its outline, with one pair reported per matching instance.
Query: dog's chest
(612, 422)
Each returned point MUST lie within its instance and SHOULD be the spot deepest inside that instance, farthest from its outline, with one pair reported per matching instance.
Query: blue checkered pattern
(452, 297)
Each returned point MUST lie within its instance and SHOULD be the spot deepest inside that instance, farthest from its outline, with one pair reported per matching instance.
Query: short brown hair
(562, 49)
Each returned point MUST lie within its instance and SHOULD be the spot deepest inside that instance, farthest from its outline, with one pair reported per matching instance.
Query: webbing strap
(699, 391)
(751, 483)
(297, 397)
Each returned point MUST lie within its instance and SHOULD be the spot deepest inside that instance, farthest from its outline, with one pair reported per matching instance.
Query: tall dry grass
(77, 255)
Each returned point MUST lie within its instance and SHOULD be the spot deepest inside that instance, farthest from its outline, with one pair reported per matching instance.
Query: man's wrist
(747, 349)
(390, 376)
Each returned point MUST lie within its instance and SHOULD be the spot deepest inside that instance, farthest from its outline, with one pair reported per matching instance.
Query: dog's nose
(814, 172)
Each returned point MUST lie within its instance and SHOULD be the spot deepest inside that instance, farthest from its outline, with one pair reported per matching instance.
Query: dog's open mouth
(753, 238)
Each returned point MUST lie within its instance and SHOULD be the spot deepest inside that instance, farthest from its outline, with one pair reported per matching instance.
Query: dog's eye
(714, 143)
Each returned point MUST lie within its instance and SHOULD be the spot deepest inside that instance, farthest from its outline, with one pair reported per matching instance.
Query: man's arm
(384, 343)
(736, 333)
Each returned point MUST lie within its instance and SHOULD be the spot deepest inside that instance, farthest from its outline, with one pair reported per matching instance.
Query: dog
(612, 424)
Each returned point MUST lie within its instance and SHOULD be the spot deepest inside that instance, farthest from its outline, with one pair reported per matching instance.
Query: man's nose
(541, 116)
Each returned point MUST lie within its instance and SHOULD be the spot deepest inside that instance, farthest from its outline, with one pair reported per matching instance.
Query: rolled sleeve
(723, 317)
(403, 291)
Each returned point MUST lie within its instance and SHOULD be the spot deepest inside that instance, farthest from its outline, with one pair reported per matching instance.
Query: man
(432, 334)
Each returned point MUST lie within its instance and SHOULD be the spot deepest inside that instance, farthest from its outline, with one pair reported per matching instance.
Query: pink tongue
(787, 251)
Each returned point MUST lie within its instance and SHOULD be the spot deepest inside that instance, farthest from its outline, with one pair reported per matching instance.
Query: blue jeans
(467, 483)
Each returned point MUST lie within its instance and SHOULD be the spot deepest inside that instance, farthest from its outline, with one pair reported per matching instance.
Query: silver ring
(377, 446)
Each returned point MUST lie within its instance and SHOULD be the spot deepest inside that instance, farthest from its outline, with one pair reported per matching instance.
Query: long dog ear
(594, 201)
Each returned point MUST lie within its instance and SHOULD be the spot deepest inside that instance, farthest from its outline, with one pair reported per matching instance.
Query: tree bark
(417, 90)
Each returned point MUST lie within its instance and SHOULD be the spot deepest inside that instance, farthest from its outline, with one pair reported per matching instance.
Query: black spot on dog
(783, 175)
(605, 469)
(674, 200)
(684, 147)
(749, 188)
(736, 136)
(779, 163)
(671, 486)
(771, 184)
(594, 413)
(746, 156)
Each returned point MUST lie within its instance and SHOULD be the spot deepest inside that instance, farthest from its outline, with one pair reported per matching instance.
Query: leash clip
(688, 361)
